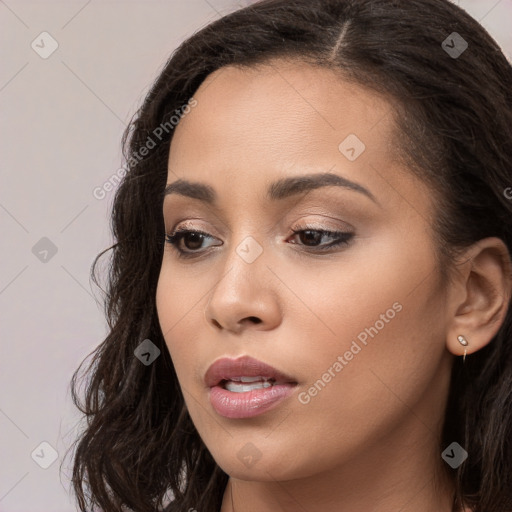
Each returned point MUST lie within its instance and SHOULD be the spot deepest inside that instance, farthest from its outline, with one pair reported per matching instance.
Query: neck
(265, 496)
(405, 474)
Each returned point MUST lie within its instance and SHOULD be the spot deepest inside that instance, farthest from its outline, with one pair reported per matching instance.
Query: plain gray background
(62, 122)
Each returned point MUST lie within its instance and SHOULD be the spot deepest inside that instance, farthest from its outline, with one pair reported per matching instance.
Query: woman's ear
(479, 295)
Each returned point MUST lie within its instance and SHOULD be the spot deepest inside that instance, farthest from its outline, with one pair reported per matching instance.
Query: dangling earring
(463, 341)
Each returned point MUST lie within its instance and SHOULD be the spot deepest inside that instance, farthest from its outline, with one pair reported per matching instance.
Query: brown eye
(192, 241)
(312, 238)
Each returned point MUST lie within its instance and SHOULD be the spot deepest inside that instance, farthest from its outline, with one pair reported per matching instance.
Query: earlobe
(479, 297)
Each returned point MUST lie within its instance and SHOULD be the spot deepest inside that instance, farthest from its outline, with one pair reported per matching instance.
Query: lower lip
(250, 403)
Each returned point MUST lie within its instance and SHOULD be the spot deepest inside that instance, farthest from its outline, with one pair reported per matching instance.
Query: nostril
(255, 319)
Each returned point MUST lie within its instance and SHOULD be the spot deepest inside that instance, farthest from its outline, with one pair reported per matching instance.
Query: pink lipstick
(246, 387)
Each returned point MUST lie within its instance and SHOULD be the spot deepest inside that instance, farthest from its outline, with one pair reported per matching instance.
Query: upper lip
(245, 366)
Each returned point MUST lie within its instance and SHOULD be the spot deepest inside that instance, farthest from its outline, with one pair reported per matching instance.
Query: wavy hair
(453, 117)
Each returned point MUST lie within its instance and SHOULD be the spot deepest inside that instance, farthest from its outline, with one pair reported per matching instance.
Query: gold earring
(463, 341)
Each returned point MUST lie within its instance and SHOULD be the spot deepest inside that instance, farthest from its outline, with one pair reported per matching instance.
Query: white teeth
(250, 379)
(235, 387)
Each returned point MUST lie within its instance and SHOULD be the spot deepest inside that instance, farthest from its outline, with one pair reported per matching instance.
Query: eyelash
(342, 238)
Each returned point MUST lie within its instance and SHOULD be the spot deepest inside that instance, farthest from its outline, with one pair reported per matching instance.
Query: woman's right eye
(192, 239)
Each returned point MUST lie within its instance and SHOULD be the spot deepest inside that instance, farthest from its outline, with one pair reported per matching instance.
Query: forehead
(291, 100)
(252, 125)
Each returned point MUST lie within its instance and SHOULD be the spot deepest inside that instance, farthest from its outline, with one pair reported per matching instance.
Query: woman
(309, 296)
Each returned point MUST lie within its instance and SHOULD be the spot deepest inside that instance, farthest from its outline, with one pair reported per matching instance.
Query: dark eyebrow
(280, 189)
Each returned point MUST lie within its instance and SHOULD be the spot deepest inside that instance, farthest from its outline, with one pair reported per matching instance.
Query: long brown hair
(454, 129)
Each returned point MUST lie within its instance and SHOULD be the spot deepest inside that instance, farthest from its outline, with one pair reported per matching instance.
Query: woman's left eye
(308, 236)
(316, 235)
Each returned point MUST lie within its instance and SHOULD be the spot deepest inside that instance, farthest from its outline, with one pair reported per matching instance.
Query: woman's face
(360, 327)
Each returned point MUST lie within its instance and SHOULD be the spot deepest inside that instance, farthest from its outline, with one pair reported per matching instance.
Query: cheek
(383, 315)
(378, 386)
(179, 310)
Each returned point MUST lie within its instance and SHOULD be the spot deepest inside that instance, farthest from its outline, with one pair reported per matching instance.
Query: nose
(246, 296)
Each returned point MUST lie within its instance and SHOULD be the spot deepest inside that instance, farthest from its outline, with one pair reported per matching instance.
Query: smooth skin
(369, 439)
